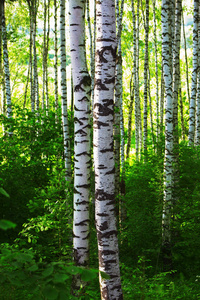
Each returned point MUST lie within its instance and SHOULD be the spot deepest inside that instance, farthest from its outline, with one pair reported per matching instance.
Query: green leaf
(5, 224)
(73, 270)
(88, 275)
(48, 271)
(50, 292)
(104, 275)
(33, 268)
(24, 257)
(3, 192)
(60, 278)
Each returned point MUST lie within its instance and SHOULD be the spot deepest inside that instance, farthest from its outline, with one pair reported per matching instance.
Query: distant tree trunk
(156, 64)
(194, 74)
(137, 99)
(44, 55)
(6, 63)
(197, 119)
(118, 102)
(150, 108)
(103, 150)
(130, 113)
(32, 91)
(146, 63)
(56, 59)
(82, 88)
(186, 60)
(1, 67)
(168, 168)
(47, 57)
(181, 112)
(35, 72)
(162, 96)
(67, 156)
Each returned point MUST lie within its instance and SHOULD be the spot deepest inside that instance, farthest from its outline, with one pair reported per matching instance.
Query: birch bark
(6, 63)
(167, 72)
(56, 60)
(194, 75)
(67, 157)
(82, 161)
(103, 150)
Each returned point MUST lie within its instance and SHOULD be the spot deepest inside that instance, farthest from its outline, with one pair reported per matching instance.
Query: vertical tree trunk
(194, 74)
(181, 112)
(167, 72)
(186, 60)
(82, 87)
(156, 64)
(146, 62)
(56, 60)
(44, 55)
(118, 95)
(103, 150)
(47, 57)
(197, 118)
(6, 63)
(67, 156)
(35, 72)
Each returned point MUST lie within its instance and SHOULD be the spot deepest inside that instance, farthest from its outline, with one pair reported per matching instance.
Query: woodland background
(36, 201)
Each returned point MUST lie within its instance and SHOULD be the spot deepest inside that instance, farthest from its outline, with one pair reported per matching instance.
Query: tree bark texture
(103, 150)
(82, 160)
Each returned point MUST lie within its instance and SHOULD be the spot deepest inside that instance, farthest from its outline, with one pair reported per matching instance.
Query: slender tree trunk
(137, 99)
(186, 59)
(130, 113)
(103, 150)
(181, 112)
(194, 74)
(156, 64)
(67, 156)
(1, 67)
(6, 63)
(162, 96)
(56, 60)
(118, 95)
(146, 62)
(168, 169)
(150, 108)
(82, 87)
(35, 72)
(44, 55)
(197, 119)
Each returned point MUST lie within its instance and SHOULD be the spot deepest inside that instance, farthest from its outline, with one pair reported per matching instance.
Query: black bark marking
(81, 132)
(101, 195)
(100, 86)
(76, 120)
(111, 80)
(83, 153)
(101, 167)
(85, 186)
(107, 49)
(98, 124)
(83, 99)
(106, 234)
(102, 215)
(82, 223)
(76, 191)
(111, 171)
(104, 226)
(75, 108)
(85, 238)
(85, 82)
(103, 109)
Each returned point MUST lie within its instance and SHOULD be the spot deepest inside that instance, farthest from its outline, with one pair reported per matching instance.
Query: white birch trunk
(6, 64)
(166, 55)
(44, 55)
(103, 150)
(156, 65)
(197, 119)
(194, 75)
(56, 60)
(186, 59)
(82, 161)
(67, 157)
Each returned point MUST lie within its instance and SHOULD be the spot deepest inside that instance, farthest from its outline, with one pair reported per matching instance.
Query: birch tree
(56, 58)
(6, 62)
(194, 74)
(103, 150)
(167, 72)
(82, 161)
(67, 157)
